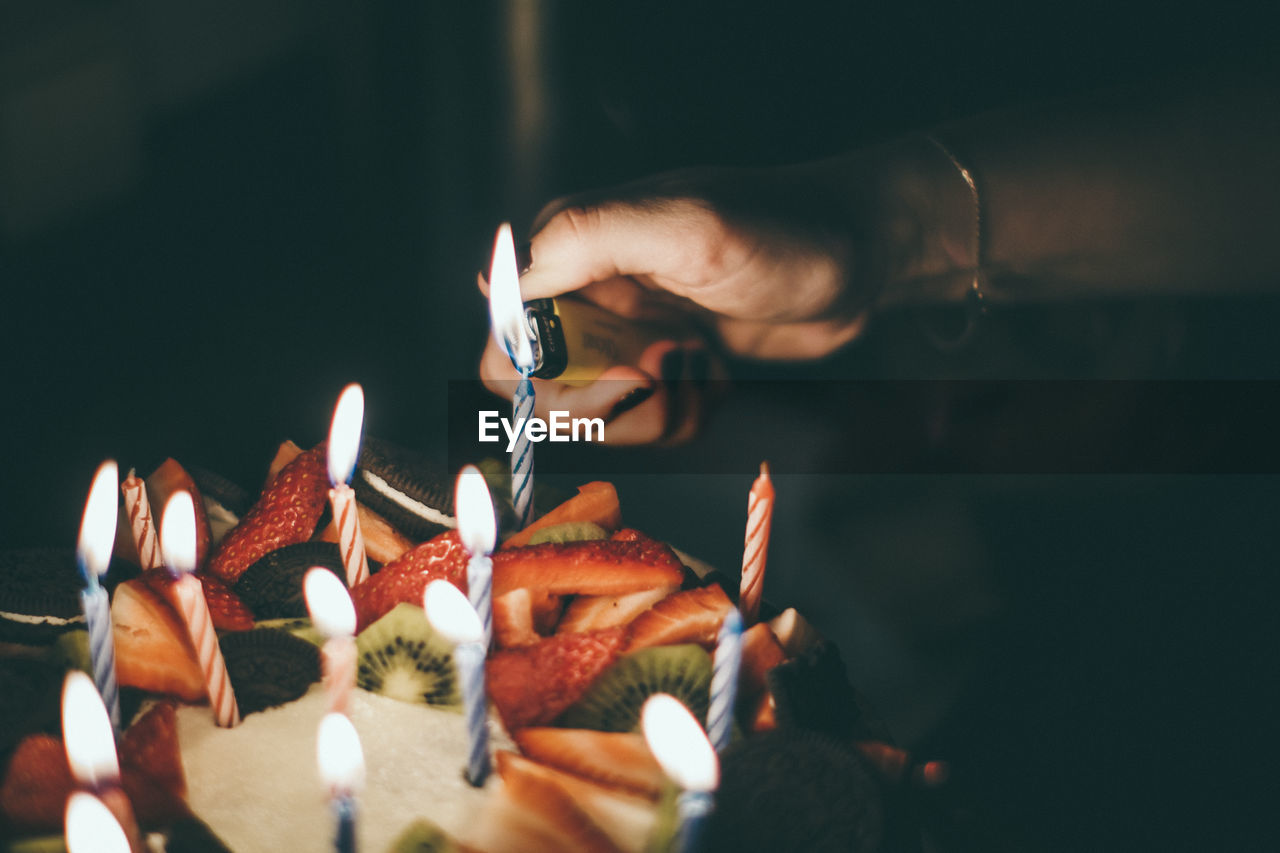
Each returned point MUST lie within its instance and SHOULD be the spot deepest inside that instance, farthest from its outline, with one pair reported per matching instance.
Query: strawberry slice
(382, 542)
(603, 567)
(285, 453)
(36, 786)
(513, 620)
(163, 482)
(534, 685)
(595, 612)
(692, 616)
(404, 579)
(153, 651)
(151, 768)
(617, 759)
(226, 609)
(285, 514)
(543, 795)
(761, 652)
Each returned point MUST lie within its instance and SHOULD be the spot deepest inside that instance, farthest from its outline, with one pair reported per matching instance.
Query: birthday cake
(590, 618)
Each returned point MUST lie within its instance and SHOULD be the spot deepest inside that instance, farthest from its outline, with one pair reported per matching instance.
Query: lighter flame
(329, 603)
(344, 434)
(86, 731)
(98, 526)
(506, 308)
(473, 505)
(677, 740)
(338, 754)
(451, 614)
(178, 533)
(91, 828)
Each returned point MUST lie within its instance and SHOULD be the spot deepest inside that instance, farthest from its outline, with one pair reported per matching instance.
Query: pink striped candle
(344, 449)
(334, 616)
(141, 523)
(178, 542)
(756, 546)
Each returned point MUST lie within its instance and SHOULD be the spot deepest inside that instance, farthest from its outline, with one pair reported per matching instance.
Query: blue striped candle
(522, 454)
(93, 554)
(453, 618)
(724, 680)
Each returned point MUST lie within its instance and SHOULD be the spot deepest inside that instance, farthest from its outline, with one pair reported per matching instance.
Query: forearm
(1125, 195)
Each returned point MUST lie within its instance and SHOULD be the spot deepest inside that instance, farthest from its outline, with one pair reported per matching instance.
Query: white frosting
(36, 619)
(258, 788)
(398, 497)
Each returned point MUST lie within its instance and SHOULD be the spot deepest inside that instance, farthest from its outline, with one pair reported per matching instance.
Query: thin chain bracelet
(975, 301)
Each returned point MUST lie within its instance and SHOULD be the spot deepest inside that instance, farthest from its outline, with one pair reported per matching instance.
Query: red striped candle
(756, 546)
(140, 521)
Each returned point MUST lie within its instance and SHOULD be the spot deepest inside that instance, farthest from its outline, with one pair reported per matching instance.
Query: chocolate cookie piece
(39, 595)
(404, 487)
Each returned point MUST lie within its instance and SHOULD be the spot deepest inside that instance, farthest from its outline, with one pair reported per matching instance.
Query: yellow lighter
(575, 341)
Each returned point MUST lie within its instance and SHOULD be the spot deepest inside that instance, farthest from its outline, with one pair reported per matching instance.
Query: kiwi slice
(299, 627)
(613, 703)
(569, 531)
(268, 667)
(71, 651)
(402, 656)
(422, 836)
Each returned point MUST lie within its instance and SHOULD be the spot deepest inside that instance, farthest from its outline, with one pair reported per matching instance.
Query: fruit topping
(595, 502)
(36, 785)
(153, 651)
(423, 836)
(794, 632)
(285, 514)
(616, 759)
(226, 609)
(534, 685)
(401, 656)
(513, 620)
(761, 652)
(613, 702)
(553, 804)
(570, 531)
(403, 581)
(594, 612)
(151, 767)
(382, 542)
(166, 481)
(692, 616)
(272, 585)
(587, 568)
(269, 667)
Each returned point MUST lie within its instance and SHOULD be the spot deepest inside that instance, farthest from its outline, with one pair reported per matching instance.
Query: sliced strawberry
(534, 685)
(226, 609)
(595, 502)
(403, 580)
(603, 567)
(761, 652)
(594, 612)
(765, 718)
(285, 453)
(513, 620)
(616, 759)
(151, 767)
(547, 607)
(692, 616)
(34, 793)
(163, 482)
(286, 513)
(382, 542)
(153, 651)
(540, 793)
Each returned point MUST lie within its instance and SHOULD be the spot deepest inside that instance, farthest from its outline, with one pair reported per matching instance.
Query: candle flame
(344, 434)
(473, 505)
(178, 533)
(678, 742)
(506, 308)
(338, 754)
(329, 603)
(98, 526)
(91, 828)
(86, 731)
(451, 614)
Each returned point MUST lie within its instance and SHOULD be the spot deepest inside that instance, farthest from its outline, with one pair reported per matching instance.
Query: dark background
(215, 214)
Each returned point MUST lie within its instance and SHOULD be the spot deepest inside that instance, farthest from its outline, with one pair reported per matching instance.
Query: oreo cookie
(791, 789)
(39, 595)
(812, 692)
(404, 487)
(272, 586)
(268, 667)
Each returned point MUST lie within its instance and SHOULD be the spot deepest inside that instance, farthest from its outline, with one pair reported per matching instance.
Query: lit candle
(93, 552)
(511, 331)
(724, 680)
(91, 828)
(455, 619)
(478, 529)
(681, 748)
(138, 510)
(344, 448)
(341, 762)
(178, 542)
(334, 616)
(90, 743)
(756, 546)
